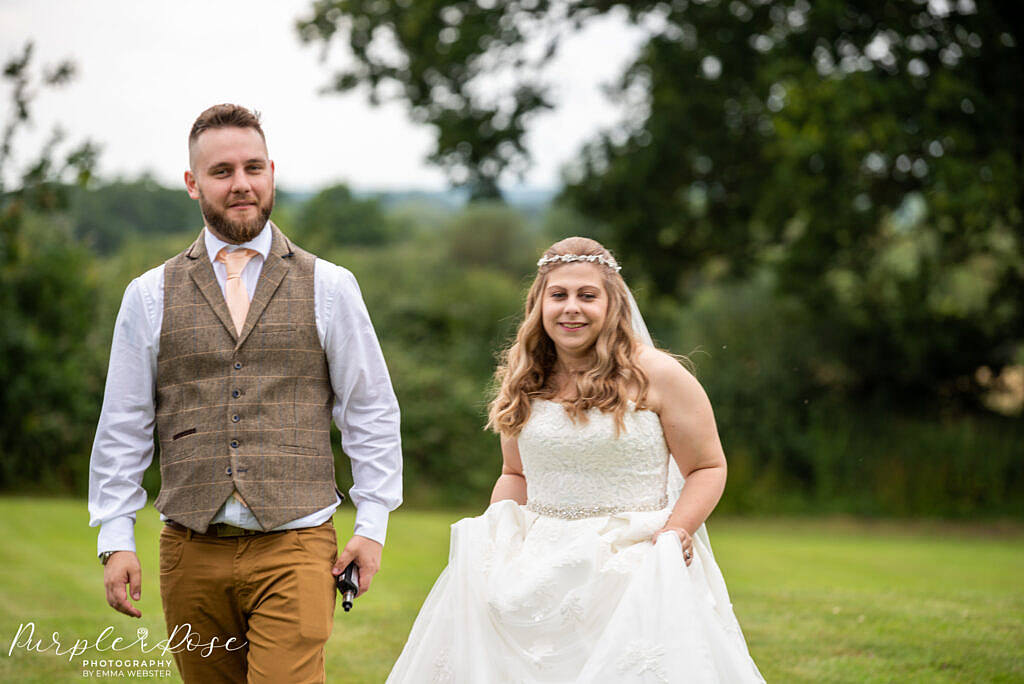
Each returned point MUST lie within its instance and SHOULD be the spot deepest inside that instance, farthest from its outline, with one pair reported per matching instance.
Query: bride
(589, 565)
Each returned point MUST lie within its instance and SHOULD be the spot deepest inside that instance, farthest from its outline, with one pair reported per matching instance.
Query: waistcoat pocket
(296, 449)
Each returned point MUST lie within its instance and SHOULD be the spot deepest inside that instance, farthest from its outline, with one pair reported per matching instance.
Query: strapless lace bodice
(582, 469)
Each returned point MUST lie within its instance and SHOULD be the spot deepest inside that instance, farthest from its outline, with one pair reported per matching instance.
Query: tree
(492, 236)
(870, 152)
(334, 216)
(50, 379)
(104, 216)
(433, 55)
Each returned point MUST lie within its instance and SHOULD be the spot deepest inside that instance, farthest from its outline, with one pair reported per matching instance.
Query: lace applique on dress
(443, 669)
(487, 558)
(572, 611)
(642, 657)
(540, 654)
(543, 597)
(534, 602)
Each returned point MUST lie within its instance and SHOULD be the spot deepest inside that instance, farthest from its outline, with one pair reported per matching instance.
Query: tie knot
(236, 260)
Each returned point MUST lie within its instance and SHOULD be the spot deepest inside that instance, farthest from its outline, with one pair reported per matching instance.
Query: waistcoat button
(238, 366)
(235, 418)
(236, 393)
(228, 471)
(234, 444)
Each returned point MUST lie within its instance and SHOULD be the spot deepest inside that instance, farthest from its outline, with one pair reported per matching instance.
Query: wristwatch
(105, 556)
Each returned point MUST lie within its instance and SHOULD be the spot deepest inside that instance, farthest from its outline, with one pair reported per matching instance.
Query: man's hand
(366, 554)
(123, 568)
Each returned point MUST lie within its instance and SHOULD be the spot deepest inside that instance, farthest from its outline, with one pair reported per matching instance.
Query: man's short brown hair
(222, 116)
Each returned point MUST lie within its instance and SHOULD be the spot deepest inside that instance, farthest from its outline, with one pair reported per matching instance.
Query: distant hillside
(527, 199)
(104, 214)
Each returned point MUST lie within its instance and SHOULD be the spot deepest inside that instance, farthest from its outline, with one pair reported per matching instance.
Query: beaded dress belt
(580, 512)
(216, 530)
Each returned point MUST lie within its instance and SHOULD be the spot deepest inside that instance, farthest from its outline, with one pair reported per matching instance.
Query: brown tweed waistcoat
(250, 412)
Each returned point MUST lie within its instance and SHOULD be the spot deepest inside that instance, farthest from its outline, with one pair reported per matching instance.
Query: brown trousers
(273, 593)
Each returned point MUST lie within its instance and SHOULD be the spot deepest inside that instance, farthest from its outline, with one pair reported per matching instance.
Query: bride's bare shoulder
(669, 379)
(655, 362)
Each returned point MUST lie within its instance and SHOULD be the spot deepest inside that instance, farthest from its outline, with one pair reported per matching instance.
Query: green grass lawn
(819, 601)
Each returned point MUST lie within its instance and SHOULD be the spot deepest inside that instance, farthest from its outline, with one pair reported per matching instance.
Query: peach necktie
(236, 296)
(234, 290)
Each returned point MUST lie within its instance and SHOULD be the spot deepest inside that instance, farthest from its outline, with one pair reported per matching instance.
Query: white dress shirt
(365, 408)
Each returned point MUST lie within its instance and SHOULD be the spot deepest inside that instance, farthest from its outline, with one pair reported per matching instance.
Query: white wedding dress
(569, 587)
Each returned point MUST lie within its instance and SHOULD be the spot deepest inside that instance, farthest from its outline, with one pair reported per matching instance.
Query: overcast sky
(146, 69)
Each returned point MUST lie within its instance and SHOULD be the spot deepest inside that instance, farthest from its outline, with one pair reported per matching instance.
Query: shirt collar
(261, 243)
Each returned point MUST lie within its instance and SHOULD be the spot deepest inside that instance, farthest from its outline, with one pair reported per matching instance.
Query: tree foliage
(335, 216)
(869, 151)
(49, 378)
(491, 235)
(104, 215)
(435, 56)
(444, 296)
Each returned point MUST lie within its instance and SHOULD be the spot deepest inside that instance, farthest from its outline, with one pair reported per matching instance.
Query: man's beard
(235, 232)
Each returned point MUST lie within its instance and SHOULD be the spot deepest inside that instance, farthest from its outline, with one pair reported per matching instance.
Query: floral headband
(592, 258)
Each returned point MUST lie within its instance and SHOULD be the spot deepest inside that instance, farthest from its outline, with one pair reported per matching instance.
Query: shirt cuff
(117, 534)
(372, 521)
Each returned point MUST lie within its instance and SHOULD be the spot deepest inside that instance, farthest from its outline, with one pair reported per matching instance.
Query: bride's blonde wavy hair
(525, 368)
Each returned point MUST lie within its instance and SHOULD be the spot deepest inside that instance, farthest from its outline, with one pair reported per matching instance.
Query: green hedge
(446, 295)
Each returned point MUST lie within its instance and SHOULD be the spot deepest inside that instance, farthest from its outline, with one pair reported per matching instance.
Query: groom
(240, 350)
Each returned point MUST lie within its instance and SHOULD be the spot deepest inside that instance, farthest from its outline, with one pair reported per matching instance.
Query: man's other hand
(123, 568)
(366, 554)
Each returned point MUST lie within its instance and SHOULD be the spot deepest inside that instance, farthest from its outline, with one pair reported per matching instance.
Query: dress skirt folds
(570, 588)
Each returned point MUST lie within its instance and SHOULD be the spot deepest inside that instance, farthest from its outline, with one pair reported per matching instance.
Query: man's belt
(216, 530)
